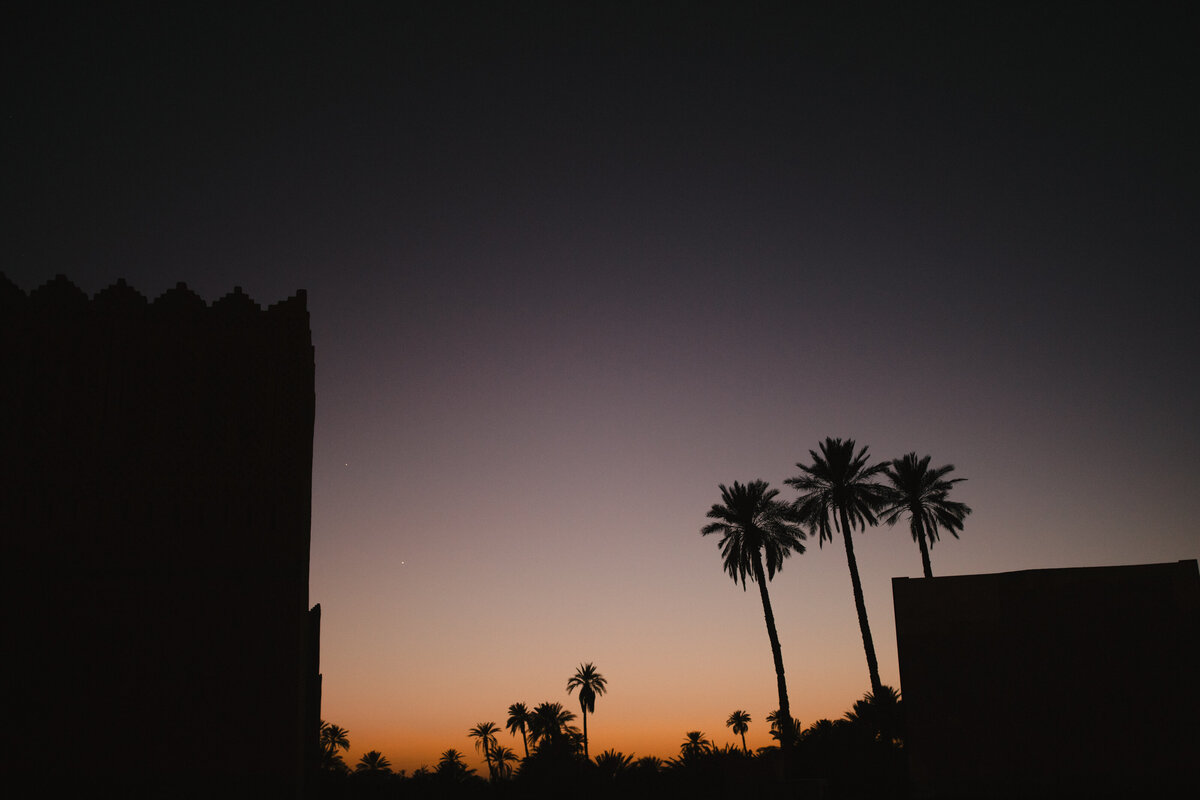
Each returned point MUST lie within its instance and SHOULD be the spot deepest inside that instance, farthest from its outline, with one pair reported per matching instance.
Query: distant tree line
(858, 756)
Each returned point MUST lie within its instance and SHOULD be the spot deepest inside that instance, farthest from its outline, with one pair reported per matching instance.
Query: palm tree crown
(549, 722)
(838, 492)
(373, 762)
(332, 738)
(838, 488)
(452, 766)
(777, 729)
(503, 758)
(590, 684)
(881, 714)
(518, 720)
(923, 493)
(739, 722)
(753, 524)
(613, 763)
(694, 743)
(484, 735)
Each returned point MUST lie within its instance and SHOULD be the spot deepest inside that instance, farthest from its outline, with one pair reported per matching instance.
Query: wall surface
(1057, 682)
(156, 504)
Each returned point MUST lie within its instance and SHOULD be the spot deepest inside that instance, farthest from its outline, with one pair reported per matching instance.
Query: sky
(570, 269)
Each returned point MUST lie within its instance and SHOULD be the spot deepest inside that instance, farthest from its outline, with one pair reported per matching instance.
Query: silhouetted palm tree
(739, 721)
(550, 722)
(777, 729)
(451, 765)
(518, 720)
(484, 735)
(331, 739)
(590, 683)
(373, 762)
(754, 525)
(922, 492)
(694, 744)
(880, 714)
(502, 760)
(821, 726)
(648, 764)
(613, 762)
(838, 492)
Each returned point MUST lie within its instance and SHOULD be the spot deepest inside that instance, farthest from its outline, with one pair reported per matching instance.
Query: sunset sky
(569, 271)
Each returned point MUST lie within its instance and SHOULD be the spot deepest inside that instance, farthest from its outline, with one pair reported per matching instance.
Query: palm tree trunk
(919, 530)
(744, 748)
(785, 711)
(525, 740)
(861, 605)
(585, 747)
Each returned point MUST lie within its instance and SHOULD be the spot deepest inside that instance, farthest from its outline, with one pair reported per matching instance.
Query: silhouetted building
(155, 505)
(1052, 683)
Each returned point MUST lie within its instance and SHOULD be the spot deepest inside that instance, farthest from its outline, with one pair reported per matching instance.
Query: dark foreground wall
(1052, 683)
(155, 511)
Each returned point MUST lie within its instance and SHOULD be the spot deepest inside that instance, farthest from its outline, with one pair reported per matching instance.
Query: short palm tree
(451, 766)
(484, 735)
(754, 527)
(881, 714)
(694, 744)
(373, 762)
(590, 684)
(502, 760)
(334, 736)
(331, 739)
(518, 720)
(777, 729)
(838, 492)
(922, 493)
(739, 721)
(648, 765)
(612, 763)
(549, 722)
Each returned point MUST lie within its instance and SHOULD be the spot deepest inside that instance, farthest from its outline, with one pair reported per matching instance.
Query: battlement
(61, 297)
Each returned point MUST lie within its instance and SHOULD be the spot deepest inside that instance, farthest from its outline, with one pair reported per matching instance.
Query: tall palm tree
(373, 762)
(838, 491)
(923, 493)
(739, 721)
(755, 526)
(590, 683)
(484, 735)
(518, 720)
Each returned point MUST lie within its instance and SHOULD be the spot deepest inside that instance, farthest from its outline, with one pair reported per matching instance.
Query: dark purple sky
(568, 271)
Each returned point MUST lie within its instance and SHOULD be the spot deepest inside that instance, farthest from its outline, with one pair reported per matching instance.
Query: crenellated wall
(156, 504)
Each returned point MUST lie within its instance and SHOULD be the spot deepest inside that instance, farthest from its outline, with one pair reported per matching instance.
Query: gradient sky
(569, 271)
